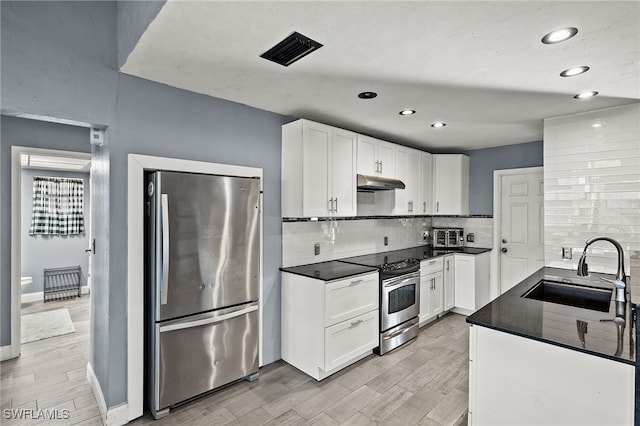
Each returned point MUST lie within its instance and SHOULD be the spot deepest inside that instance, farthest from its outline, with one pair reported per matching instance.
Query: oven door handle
(398, 333)
(401, 282)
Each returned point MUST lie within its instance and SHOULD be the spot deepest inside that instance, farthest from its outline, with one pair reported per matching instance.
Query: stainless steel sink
(571, 294)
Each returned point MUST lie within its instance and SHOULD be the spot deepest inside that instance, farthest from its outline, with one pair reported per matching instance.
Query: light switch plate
(316, 248)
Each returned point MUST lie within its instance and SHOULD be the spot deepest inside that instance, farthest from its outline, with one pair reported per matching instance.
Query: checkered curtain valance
(58, 206)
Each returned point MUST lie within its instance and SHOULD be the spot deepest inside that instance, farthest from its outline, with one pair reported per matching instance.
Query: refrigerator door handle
(207, 320)
(165, 249)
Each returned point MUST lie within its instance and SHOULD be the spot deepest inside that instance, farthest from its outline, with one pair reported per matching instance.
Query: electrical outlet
(316, 248)
(470, 237)
(386, 241)
(425, 235)
(567, 253)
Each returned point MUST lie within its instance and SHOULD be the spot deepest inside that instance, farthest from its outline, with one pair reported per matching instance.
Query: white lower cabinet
(471, 279)
(514, 380)
(431, 289)
(449, 282)
(327, 325)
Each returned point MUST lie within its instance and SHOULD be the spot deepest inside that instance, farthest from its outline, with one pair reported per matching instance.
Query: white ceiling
(478, 66)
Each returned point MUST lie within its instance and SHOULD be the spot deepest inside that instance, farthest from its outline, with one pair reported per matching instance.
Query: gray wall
(144, 118)
(50, 251)
(482, 163)
(28, 133)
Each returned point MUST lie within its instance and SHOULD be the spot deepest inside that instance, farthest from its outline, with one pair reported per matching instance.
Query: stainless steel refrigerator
(203, 273)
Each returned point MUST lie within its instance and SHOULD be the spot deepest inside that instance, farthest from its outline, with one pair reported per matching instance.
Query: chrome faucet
(620, 282)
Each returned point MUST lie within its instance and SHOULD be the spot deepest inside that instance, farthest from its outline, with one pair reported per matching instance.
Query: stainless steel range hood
(377, 183)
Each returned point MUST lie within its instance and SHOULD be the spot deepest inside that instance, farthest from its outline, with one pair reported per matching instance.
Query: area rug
(43, 325)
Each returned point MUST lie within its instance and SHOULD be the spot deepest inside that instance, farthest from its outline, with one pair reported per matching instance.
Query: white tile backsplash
(592, 185)
(481, 227)
(345, 238)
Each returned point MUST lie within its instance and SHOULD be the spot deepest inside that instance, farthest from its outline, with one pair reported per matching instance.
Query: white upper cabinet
(318, 170)
(407, 201)
(376, 157)
(451, 184)
(426, 184)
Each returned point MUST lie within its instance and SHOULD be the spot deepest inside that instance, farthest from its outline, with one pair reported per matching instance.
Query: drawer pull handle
(356, 323)
(354, 282)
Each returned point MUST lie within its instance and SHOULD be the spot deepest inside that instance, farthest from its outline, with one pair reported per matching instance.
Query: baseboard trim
(115, 416)
(5, 353)
(38, 296)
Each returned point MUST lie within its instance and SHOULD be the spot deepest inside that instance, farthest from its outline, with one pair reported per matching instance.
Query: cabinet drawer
(349, 339)
(431, 266)
(351, 297)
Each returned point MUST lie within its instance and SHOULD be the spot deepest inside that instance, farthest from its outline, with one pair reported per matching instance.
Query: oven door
(399, 300)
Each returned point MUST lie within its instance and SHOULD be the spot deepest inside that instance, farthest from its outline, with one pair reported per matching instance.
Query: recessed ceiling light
(407, 112)
(367, 95)
(574, 71)
(585, 95)
(559, 35)
(596, 125)
(438, 124)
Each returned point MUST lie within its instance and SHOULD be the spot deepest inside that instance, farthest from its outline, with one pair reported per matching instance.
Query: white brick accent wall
(592, 185)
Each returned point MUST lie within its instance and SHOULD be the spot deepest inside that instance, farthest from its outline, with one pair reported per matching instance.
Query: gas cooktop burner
(399, 265)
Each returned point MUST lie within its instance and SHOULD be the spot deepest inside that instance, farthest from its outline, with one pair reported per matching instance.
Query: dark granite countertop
(342, 268)
(421, 253)
(329, 271)
(571, 327)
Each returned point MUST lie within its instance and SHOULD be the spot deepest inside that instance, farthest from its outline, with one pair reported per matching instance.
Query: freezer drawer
(203, 352)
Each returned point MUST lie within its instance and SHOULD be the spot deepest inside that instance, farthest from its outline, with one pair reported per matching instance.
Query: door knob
(504, 249)
(504, 241)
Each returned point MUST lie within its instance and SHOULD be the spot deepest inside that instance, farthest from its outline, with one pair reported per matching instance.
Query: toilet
(25, 281)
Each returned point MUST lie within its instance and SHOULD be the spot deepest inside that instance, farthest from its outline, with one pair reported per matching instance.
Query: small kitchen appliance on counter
(448, 238)
(399, 296)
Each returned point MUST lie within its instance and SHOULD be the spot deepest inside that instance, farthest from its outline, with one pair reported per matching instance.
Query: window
(58, 206)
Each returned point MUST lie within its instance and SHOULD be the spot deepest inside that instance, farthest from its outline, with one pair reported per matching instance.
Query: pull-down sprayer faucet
(620, 282)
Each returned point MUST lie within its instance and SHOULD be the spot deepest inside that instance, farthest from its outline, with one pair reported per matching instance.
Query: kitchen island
(532, 361)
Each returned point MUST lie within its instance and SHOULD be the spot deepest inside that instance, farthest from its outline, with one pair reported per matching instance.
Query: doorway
(518, 225)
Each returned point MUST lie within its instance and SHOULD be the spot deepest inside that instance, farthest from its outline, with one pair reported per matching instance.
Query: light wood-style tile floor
(422, 383)
(51, 374)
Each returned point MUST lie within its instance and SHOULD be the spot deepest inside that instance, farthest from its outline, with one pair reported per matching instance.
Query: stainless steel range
(399, 296)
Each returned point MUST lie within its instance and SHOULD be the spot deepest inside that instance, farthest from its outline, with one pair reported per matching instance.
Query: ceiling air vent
(292, 48)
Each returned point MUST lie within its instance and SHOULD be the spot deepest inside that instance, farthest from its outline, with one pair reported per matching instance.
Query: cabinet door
(366, 156)
(426, 183)
(436, 302)
(426, 286)
(401, 200)
(349, 339)
(316, 142)
(465, 282)
(348, 298)
(451, 188)
(413, 182)
(386, 155)
(449, 283)
(343, 173)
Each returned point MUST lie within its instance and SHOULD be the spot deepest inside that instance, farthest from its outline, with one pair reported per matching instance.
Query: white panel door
(521, 242)
(316, 142)
(343, 175)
